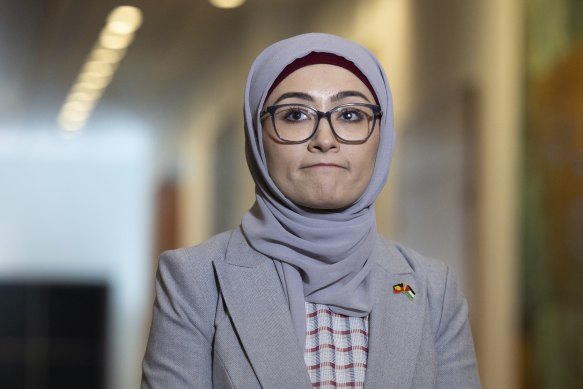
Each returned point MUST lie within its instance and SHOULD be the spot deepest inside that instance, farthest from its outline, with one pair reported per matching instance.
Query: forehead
(320, 80)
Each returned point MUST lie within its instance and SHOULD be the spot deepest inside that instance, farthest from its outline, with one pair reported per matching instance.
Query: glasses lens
(353, 122)
(294, 122)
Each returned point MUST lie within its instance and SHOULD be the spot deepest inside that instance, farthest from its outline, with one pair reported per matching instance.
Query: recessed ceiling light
(227, 3)
(102, 68)
(70, 126)
(84, 95)
(111, 40)
(124, 20)
(97, 72)
(74, 116)
(77, 106)
(101, 54)
(96, 80)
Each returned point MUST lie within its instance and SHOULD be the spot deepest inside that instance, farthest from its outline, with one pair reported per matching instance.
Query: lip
(323, 165)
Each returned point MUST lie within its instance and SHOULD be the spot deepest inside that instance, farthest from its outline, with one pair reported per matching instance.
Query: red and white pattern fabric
(336, 348)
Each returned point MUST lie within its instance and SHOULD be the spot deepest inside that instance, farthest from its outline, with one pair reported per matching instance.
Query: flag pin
(405, 289)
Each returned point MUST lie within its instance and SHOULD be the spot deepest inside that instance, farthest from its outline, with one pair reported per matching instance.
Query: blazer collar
(395, 323)
(258, 306)
(259, 309)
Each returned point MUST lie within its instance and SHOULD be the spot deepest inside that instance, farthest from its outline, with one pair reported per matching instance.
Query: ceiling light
(82, 89)
(101, 64)
(77, 106)
(124, 20)
(96, 80)
(82, 86)
(227, 3)
(111, 40)
(84, 95)
(74, 116)
(102, 54)
(70, 126)
(102, 68)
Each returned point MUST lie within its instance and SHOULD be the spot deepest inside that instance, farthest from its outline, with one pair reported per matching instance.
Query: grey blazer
(221, 320)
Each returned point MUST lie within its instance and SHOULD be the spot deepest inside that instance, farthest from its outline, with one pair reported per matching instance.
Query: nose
(324, 139)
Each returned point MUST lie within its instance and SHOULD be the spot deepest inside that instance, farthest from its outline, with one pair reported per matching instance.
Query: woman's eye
(295, 115)
(351, 115)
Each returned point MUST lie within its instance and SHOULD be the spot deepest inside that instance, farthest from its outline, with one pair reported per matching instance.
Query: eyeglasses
(297, 123)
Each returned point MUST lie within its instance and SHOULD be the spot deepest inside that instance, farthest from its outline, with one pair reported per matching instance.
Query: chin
(325, 204)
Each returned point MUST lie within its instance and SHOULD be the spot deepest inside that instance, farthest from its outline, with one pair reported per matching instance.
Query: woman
(306, 293)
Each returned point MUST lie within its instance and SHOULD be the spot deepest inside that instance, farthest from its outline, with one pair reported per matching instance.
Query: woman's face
(322, 173)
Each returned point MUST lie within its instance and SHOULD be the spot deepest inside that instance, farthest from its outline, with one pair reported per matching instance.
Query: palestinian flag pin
(405, 289)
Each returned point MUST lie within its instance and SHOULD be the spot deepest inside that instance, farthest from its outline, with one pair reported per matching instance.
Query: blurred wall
(80, 211)
(553, 196)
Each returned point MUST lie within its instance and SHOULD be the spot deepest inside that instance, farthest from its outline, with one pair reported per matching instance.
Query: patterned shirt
(336, 348)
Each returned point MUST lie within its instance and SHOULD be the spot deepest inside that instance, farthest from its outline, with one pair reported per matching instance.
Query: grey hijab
(320, 256)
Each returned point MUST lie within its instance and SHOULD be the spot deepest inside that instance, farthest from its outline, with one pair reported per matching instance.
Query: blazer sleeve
(457, 366)
(179, 349)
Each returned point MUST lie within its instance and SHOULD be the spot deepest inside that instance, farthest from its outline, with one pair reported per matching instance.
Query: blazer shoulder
(183, 316)
(439, 278)
(186, 275)
(198, 256)
(444, 295)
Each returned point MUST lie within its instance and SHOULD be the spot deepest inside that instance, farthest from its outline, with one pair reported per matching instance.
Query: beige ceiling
(178, 49)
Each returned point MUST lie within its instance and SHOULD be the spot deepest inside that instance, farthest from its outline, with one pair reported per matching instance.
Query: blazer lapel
(395, 322)
(259, 309)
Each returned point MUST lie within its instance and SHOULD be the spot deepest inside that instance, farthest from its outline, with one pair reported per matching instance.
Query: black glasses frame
(377, 114)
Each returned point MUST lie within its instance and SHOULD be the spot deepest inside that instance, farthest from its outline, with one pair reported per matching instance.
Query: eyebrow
(305, 96)
(288, 95)
(349, 93)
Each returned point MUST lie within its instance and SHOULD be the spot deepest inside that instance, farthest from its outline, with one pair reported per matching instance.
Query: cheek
(279, 159)
(269, 150)
(363, 174)
(368, 156)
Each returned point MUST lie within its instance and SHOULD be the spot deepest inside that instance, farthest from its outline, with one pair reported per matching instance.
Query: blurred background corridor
(121, 136)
